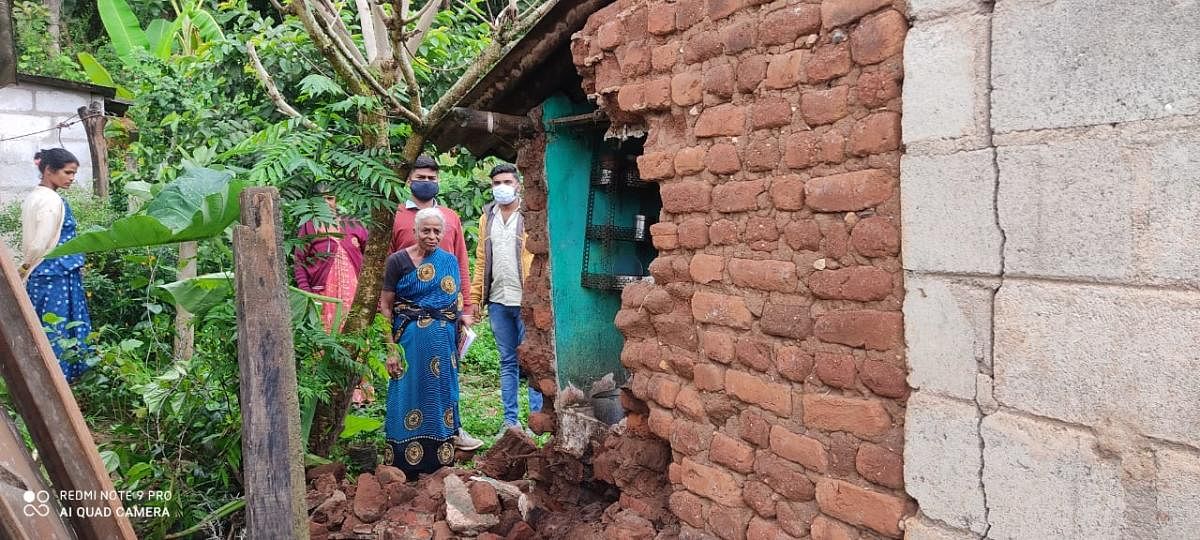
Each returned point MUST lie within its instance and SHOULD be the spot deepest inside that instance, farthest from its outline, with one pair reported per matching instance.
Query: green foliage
(123, 28)
(31, 21)
(200, 204)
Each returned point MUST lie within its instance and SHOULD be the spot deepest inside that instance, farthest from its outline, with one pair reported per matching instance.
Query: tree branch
(272, 90)
(340, 62)
(425, 21)
(490, 55)
(410, 77)
(366, 20)
(525, 22)
(383, 39)
(364, 75)
(338, 31)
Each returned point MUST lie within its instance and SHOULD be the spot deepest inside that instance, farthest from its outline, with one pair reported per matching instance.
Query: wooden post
(93, 125)
(19, 519)
(185, 333)
(272, 452)
(45, 402)
(8, 45)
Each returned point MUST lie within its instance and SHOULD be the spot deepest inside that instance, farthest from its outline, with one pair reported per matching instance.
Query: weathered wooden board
(44, 400)
(272, 452)
(20, 518)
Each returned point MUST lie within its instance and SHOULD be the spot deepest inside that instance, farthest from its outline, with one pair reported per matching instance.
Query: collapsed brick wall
(536, 353)
(769, 351)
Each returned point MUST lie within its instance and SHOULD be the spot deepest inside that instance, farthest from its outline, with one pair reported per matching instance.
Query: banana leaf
(158, 34)
(199, 204)
(206, 25)
(123, 28)
(96, 71)
(202, 293)
(359, 424)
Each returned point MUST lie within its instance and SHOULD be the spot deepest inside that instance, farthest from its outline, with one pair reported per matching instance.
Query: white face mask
(504, 194)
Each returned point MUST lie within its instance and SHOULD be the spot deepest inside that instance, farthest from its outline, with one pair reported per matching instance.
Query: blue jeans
(510, 332)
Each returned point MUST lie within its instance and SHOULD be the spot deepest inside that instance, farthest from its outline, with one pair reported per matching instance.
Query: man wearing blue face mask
(423, 184)
(501, 264)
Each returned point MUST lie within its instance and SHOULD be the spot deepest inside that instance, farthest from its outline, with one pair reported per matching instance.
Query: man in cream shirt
(501, 264)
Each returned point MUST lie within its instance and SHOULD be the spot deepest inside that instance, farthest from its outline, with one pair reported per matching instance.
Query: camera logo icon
(35, 504)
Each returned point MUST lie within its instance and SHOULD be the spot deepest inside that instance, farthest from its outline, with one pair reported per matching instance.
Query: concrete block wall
(25, 108)
(768, 352)
(1050, 188)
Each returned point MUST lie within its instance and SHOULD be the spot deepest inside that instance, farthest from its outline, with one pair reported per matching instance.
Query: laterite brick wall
(769, 353)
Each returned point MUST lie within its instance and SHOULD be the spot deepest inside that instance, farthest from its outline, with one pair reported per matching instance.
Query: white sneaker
(464, 441)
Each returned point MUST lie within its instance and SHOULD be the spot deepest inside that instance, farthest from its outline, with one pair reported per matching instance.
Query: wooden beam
(93, 124)
(20, 519)
(8, 45)
(492, 122)
(272, 452)
(45, 402)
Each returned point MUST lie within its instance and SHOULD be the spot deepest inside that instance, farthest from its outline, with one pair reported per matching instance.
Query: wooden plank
(272, 452)
(93, 124)
(19, 517)
(45, 402)
(8, 45)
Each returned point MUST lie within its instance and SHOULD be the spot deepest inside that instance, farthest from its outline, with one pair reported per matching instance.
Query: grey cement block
(73, 132)
(945, 79)
(14, 124)
(17, 152)
(948, 326)
(1178, 498)
(1045, 481)
(948, 220)
(947, 488)
(13, 98)
(920, 528)
(1067, 210)
(1081, 62)
(1170, 252)
(1096, 355)
(923, 10)
(59, 101)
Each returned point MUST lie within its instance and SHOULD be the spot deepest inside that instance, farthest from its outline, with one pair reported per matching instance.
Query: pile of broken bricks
(517, 492)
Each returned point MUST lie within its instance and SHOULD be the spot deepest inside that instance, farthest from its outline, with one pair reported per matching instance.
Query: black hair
(54, 159)
(505, 168)
(424, 162)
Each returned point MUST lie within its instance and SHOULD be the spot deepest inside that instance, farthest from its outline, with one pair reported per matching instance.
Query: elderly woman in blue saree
(55, 285)
(421, 285)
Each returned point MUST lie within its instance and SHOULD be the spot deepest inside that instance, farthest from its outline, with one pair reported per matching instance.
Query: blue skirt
(422, 404)
(63, 295)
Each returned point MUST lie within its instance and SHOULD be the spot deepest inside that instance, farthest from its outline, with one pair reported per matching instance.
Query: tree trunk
(54, 28)
(185, 333)
(330, 417)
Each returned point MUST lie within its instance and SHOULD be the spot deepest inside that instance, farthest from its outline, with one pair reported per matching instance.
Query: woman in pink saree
(328, 265)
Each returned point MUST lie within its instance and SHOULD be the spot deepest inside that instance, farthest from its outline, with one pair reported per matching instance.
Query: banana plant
(200, 204)
(192, 32)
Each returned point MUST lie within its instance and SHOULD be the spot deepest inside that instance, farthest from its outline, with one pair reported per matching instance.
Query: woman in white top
(56, 285)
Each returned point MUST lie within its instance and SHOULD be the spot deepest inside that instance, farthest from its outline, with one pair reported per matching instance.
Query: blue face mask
(424, 190)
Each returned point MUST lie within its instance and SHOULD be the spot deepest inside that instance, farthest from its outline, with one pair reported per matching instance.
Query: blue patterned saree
(422, 404)
(56, 286)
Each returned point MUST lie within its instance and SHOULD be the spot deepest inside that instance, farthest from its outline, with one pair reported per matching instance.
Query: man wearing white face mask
(501, 264)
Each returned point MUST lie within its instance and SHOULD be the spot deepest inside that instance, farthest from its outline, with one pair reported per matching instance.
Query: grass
(480, 408)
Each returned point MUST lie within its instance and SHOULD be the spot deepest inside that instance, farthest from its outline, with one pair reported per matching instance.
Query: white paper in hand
(468, 339)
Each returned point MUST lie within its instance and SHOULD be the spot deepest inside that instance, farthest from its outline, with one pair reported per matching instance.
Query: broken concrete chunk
(460, 511)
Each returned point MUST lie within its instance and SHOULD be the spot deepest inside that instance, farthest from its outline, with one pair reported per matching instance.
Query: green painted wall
(587, 343)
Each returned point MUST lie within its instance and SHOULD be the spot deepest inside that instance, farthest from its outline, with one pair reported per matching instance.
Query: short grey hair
(426, 214)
